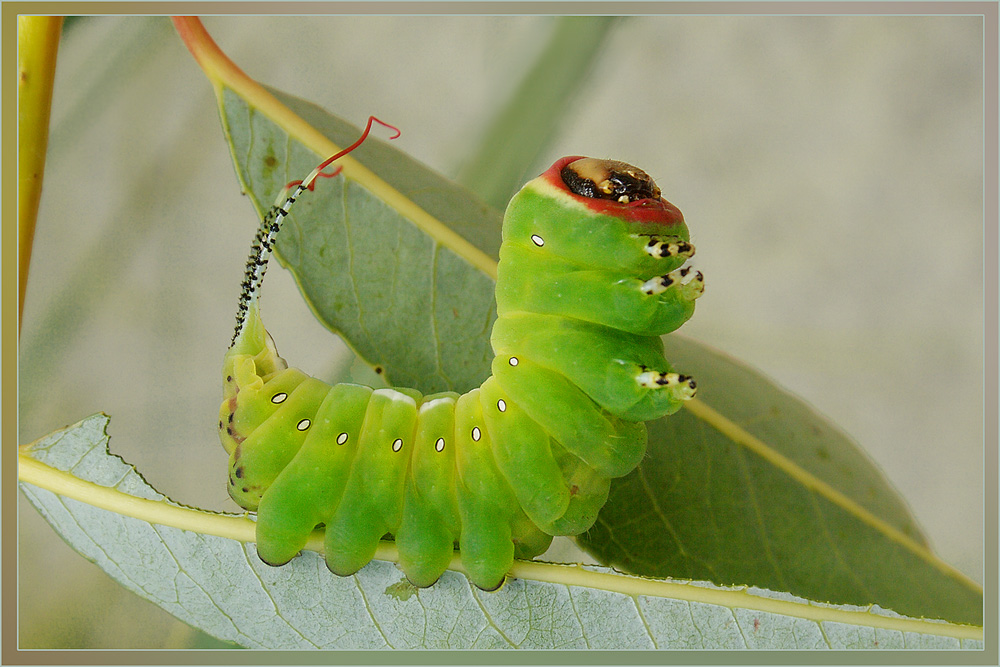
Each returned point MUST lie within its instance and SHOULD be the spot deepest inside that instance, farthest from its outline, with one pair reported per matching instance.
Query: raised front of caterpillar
(589, 277)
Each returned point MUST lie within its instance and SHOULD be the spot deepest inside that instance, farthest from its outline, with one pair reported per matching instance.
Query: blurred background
(830, 169)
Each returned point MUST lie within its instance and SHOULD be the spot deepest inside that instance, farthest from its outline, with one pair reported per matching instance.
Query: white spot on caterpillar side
(303, 425)
(476, 433)
(397, 444)
(342, 438)
(513, 361)
(439, 445)
(502, 405)
(537, 240)
(279, 398)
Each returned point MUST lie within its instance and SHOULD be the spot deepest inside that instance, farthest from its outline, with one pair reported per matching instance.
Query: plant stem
(37, 44)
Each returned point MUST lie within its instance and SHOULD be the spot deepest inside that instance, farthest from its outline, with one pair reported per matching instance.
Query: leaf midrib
(260, 100)
(241, 528)
(814, 484)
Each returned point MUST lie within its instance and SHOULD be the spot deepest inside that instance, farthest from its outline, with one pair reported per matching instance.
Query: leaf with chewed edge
(195, 565)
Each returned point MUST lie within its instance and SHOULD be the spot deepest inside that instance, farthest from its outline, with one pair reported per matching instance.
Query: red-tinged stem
(223, 73)
(210, 57)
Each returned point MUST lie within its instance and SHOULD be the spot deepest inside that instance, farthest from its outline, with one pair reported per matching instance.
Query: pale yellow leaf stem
(242, 529)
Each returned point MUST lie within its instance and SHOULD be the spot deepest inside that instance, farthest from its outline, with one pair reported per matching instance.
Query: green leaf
(219, 585)
(708, 509)
(415, 306)
(760, 489)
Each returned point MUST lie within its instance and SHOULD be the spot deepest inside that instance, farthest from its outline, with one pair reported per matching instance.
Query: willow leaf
(195, 565)
(411, 300)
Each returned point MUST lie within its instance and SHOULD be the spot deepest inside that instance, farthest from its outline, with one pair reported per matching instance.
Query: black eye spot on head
(609, 179)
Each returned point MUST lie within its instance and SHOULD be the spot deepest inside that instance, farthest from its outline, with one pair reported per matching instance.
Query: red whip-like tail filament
(263, 242)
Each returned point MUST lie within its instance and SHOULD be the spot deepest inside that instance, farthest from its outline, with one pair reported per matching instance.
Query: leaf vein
(576, 615)
(835, 548)
(489, 618)
(371, 613)
(645, 622)
(194, 582)
(752, 497)
(274, 603)
(746, 644)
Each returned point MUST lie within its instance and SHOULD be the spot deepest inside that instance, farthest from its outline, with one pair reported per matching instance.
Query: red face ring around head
(613, 188)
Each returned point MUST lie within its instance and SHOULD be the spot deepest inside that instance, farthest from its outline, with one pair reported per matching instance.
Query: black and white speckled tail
(267, 233)
(260, 252)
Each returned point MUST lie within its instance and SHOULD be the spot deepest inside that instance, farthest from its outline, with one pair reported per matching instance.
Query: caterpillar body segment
(430, 525)
(308, 490)
(617, 236)
(249, 372)
(523, 454)
(643, 306)
(529, 454)
(608, 444)
(372, 502)
(607, 374)
(266, 450)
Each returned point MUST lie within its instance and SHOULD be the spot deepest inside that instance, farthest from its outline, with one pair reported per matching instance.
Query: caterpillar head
(594, 240)
(615, 188)
(608, 179)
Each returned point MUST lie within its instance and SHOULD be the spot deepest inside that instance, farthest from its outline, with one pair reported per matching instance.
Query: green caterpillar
(589, 278)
